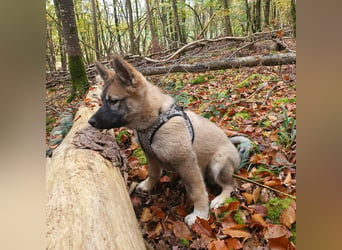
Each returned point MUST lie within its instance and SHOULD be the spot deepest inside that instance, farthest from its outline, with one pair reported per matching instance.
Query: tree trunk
(293, 16)
(155, 45)
(96, 33)
(79, 78)
(258, 15)
(88, 206)
(248, 17)
(116, 20)
(248, 61)
(267, 12)
(227, 25)
(130, 27)
(178, 30)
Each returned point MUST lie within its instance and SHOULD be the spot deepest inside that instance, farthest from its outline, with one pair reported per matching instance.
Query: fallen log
(248, 61)
(88, 206)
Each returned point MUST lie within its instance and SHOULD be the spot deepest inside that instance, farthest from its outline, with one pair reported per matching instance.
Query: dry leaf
(146, 215)
(276, 231)
(256, 194)
(180, 210)
(258, 219)
(288, 216)
(217, 245)
(181, 230)
(248, 197)
(233, 243)
(201, 226)
(235, 233)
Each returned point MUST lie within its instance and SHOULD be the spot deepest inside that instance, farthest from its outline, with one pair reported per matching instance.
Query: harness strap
(146, 135)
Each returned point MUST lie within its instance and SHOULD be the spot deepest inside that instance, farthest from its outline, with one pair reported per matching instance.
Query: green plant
(199, 79)
(49, 123)
(139, 154)
(184, 242)
(287, 130)
(275, 207)
(238, 217)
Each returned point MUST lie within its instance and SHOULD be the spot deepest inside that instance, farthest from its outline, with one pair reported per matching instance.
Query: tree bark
(96, 33)
(227, 25)
(88, 206)
(76, 65)
(267, 12)
(130, 27)
(293, 16)
(155, 44)
(249, 61)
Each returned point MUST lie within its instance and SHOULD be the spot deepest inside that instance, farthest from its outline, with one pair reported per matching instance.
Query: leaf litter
(263, 107)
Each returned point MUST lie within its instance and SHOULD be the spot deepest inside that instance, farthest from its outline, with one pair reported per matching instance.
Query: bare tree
(76, 65)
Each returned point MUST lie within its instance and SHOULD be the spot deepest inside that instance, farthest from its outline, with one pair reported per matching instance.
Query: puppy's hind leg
(222, 169)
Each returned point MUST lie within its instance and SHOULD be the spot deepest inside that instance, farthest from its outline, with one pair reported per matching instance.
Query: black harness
(146, 135)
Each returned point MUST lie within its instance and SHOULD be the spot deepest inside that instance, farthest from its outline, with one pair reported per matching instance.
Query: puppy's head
(120, 89)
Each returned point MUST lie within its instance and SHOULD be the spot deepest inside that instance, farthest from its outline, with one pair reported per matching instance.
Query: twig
(261, 185)
(53, 109)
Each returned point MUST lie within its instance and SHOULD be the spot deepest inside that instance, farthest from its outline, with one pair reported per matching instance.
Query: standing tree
(258, 15)
(267, 12)
(293, 16)
(130, 27)
(96, 33)
(155, 45)
(227, 25)
(76, 65)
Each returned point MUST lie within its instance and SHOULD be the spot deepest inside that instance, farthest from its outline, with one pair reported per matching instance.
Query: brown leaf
(281, 243)
(288, 178)
(259, 209)
(256, 193)
(156, 231)
(164, 179)
(258, 219)
(260, 159)
(264, 195)
(142, 172)
(201, 226)
(218, 245)
(236, 233)
(233, 243)
(158, 213)
(279, 159)
(180, 210)
(181, 230)
(288, 216)
(276, 231)
(248, 197)
(146, 215)
(273, 183)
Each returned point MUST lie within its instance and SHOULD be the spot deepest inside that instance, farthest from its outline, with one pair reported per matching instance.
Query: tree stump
(88, 206)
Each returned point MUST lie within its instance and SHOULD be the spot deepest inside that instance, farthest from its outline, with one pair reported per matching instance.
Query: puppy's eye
(112, 102)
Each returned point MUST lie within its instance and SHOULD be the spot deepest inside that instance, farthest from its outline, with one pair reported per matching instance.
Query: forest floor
(259, 102)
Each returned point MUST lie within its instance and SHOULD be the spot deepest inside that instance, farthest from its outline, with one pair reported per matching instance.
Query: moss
(293, 238)
(49, 123)
(230, 199)
(275, 207)
(139, 154)
(184, 242)
(199, 79)
(79, 78)
(238, 217)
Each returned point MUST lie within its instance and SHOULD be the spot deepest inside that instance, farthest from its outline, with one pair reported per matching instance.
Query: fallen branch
(264, 186)
(248, 61)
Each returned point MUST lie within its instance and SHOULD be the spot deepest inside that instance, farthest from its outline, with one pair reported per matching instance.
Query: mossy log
(88, 206)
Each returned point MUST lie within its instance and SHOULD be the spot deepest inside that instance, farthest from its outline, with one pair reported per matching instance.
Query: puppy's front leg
(195, 187)
(154, 173)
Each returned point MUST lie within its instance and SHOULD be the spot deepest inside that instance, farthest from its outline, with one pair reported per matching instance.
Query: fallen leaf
(248, 197)
(217, 245)
(201, 226)
(288, 178)
(156, 231)
(146, 215)
(233, 243)
(273, 183)
(281, 243)
(288, 217)
(259, 209)
(264, 197)
(157, 212)
(180, 210)
(142, 172)
(279, 159)
(235, 233)
(258, 219)
(276, 231)
(256, 193)
(181, 230)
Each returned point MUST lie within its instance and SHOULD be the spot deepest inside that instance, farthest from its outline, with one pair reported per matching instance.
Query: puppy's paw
(217, 202)
(191, 218)
(145, 186)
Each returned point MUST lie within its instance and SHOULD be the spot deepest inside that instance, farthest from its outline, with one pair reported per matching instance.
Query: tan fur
(211, 151)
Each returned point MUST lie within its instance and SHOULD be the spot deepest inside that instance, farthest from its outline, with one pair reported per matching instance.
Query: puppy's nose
(92, 121)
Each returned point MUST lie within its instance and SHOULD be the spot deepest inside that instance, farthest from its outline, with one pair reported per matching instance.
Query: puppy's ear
(123, 72)
(102, 70)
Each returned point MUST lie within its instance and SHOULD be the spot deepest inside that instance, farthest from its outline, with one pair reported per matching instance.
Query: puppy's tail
(244, 146)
